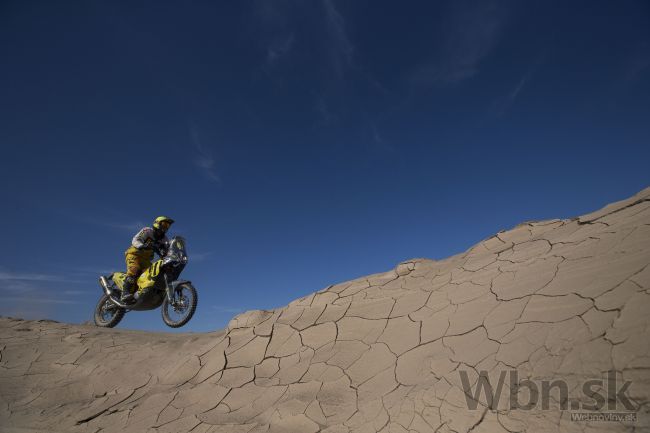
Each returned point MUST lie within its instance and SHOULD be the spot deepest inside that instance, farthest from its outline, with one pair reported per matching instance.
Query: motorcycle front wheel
(181, 311)
(107, 314)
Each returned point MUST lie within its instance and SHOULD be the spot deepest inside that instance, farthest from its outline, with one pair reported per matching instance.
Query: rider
(139, 255)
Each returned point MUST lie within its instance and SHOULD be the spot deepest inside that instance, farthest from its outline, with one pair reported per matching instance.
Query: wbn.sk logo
(600, 393)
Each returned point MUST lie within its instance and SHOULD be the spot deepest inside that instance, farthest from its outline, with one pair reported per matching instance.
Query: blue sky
(301, 144)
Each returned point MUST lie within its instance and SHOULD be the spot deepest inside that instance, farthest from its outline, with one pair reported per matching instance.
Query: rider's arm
(143, 238)
(162, 246)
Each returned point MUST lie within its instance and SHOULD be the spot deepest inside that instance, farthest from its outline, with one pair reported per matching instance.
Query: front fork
(170, 290)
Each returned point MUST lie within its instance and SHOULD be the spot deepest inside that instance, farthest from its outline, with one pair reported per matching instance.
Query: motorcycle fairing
(118, 278)
(145, 281)
(149, 276)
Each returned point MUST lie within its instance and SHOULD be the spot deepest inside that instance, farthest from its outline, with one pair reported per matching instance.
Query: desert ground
(557, 300)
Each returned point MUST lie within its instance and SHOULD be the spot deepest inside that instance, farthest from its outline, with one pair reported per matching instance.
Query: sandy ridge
(558, 299)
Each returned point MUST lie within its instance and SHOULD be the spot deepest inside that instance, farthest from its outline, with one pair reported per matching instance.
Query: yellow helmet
(162, 219)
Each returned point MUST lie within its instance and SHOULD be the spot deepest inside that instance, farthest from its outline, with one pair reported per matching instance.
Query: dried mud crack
(558, 300)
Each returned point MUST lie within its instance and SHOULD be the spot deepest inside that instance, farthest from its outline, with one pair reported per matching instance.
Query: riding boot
(127, 289)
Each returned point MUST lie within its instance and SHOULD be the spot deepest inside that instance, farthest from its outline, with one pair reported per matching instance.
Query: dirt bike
(158, 285)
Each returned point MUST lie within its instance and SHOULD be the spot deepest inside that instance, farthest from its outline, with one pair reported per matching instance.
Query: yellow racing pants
(137, 261)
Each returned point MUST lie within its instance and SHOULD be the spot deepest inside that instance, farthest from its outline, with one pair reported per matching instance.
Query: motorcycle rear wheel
(107, 314)
(188, 298)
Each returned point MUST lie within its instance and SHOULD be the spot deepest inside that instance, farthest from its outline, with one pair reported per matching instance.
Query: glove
(161, 250)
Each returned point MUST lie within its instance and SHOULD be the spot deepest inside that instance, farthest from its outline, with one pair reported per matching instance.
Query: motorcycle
(159, 285)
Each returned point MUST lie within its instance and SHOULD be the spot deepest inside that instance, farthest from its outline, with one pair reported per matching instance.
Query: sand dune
(396, 352)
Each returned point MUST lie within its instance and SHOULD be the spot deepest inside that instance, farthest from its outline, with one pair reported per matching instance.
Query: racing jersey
(146, 239)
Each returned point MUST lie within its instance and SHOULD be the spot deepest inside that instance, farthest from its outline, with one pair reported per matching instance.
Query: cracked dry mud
(559, 299)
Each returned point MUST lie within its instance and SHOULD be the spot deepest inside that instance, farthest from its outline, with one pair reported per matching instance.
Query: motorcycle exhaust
(104, 283)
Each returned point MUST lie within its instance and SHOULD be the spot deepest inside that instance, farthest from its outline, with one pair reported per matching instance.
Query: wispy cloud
(17, 286)
(17, 276)
(116, 222)
(325, 115)
(130, 227)
(502, 104)
(281, 24)
(34, 302)
(278, 48)
(39, 300)
(203, 158)
(200, 256)
(75, 292)
(36, 296)
(378, 140)
(472, 29)
(93, 270)
(271, 11)
(341, 47)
